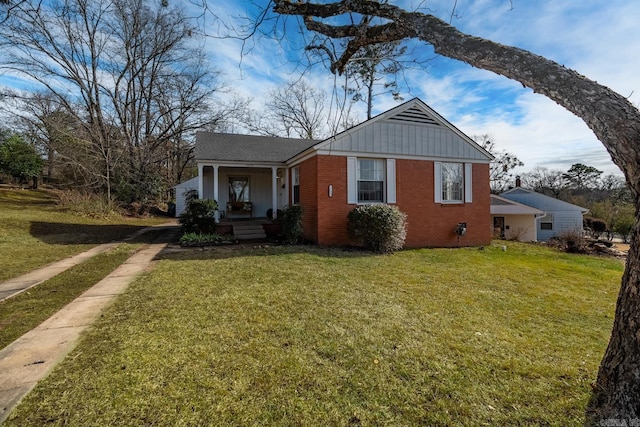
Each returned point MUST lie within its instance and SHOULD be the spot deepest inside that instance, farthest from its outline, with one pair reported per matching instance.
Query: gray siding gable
(412, 129)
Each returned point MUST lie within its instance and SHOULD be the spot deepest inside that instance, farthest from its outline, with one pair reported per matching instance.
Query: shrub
(197, 239)
(88, 204)
(571, 241)
(518, 233)
(597, 226)
(20, 159)
(380, 228)
(199, 215)
(291, 220)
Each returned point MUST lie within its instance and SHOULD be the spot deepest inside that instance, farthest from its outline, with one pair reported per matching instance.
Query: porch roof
(247, 148)
(502, 206)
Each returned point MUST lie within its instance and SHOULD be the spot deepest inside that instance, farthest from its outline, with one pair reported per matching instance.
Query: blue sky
(598, 38)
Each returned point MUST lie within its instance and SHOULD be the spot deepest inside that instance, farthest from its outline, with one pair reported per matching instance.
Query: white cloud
(546, 135)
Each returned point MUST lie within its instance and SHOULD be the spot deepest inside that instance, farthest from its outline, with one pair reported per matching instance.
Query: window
(452, 182)
(370, 180)
(238, 189)
(295, 177)
(546, 222)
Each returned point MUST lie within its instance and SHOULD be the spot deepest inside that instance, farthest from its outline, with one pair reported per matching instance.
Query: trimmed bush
(291, 220)
(379, 228)
(199, 215)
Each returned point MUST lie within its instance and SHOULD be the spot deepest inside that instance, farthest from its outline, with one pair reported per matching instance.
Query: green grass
(308, 336)
(27, 310)
(35, 231)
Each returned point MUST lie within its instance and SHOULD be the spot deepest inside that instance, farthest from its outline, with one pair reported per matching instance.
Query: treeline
(115, 91)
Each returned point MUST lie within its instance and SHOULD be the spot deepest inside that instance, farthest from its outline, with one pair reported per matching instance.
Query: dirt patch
(623, 247)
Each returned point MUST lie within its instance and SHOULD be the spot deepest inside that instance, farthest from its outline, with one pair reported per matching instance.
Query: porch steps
(248, 231)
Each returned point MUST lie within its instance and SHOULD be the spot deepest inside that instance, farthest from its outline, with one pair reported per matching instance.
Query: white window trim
(389, 183)
(547, 218)
(467, 182)
(358, 173)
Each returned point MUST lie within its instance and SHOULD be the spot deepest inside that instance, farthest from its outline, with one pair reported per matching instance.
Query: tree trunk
(613, 119)
(617, 391)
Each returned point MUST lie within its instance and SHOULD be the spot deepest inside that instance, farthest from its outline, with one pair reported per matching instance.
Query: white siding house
(559, 216)
(181, 190)
(514, 221)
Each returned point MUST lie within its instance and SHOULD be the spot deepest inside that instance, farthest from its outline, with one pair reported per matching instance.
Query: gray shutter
(391, 180)
(437, 182)
(468, 179)
(352, 187)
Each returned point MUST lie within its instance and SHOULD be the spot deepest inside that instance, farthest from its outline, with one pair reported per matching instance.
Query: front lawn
(23, 312)
(35, 230)
(309, 336)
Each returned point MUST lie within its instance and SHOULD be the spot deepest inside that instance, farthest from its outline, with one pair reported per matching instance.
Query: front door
(498, 227)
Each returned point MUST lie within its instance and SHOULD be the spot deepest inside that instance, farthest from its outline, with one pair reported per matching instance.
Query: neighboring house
(514, 221)
(559, 216)
(181, 191)
(409, 156)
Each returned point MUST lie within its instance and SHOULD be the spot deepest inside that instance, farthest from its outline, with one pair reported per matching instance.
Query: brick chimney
(518, 181)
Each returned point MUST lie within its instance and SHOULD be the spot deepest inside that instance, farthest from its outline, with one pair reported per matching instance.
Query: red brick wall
(309, 197)
(332, 211)
(430, 224)
(433, 224)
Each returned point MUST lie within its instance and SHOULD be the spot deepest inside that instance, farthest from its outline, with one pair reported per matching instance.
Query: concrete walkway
(22, 283)
(31, 357)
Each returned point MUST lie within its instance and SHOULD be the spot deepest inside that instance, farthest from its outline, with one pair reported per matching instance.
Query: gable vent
(414, 115)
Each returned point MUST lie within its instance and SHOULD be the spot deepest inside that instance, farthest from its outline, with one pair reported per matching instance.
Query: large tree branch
(614, 120)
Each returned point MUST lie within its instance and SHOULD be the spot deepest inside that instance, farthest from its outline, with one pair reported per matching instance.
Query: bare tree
(502, 167)
(613, 119)
(70, 158)
(297, 109)
(544, 180)
(6, 6)
(131, 73)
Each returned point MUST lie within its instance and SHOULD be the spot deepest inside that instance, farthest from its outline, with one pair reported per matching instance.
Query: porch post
(216, 195)
(274, 191)
(200, 178)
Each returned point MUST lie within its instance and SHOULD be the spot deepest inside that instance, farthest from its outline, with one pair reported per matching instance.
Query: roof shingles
(248, 148)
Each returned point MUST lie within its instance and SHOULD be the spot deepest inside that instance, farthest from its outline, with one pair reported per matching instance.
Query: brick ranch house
(409, 156)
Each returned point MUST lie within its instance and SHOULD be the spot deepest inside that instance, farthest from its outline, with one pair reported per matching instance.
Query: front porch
(244, 192)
